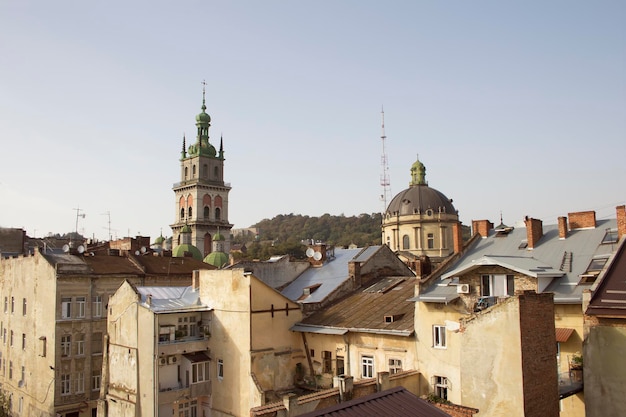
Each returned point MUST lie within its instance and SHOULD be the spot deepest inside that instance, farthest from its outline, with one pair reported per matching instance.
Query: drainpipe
(345, 340)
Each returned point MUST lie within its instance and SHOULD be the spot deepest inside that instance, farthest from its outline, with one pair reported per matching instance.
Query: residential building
(561, 260)
(54, 325)
(419, 220)
(249, 359)
(201, 195)
(605, 336)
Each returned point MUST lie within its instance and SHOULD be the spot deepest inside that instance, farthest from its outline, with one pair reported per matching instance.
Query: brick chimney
(534, 231)
(562, 227)
(457, 237)
(482, 227)
(582, 220)
(621, 221)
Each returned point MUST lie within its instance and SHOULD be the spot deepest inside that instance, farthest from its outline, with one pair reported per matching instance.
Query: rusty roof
(609, 296)
(383, 307)
(394, 402)
(562, 334)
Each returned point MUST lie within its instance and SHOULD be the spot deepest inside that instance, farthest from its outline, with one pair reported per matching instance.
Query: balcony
(169, 395)
(570, 383)
(183, 345)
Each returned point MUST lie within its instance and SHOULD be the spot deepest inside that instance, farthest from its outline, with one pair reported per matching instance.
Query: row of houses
(497, 328)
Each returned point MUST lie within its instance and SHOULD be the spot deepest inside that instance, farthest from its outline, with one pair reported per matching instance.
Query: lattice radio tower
(384, 176)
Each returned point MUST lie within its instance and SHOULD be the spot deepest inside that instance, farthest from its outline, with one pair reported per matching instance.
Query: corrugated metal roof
(330, 276)
(562, 334)
(170, 299)
(547, 260)
(394, 402)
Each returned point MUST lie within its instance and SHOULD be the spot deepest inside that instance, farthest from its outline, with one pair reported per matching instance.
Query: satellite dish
(317, 256)
(66, 248)
(310, 252)
(137, 253)
(143, 249)
(81, 249)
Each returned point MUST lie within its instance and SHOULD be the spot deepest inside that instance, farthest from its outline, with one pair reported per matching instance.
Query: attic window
(310, 289)
(392, 318)
(523, 244)
(610, 236)
(593, 270)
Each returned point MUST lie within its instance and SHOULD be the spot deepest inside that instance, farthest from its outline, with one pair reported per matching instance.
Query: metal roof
(330, 275)
(609, 295)
(562, 261)
(171, 299)
(394, 402)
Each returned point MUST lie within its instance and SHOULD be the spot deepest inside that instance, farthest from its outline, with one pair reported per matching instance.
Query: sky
(515, 108)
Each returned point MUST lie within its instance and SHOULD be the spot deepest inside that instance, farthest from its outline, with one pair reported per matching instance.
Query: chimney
(382, 381)
(457, 237)
(482, 227)
(562, 227)
(534, 231)
(621, 221)
(582, 220)
(354, 272)
(149, 299)
(290, 401)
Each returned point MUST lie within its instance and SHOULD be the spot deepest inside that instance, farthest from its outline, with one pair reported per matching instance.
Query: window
(395, 366)
(96, 343)
(11, 340)
(497, 285)
(441, 387)
(10, 369)
(42, 346)
(220, 369)
(205, 171)
(327, 362)
(6, 304)
(189, 211)
(80, 344)
(340, 365)
(405, 242)
(65, 384)
(182, 213)
(23, 306)
(193, 171)
(95, 380)
(96, 306)
(66, 345)
(439, 336)
(23, 341)
(610, 237)
(23, 377)
(199, 372)
(80, 304)
(207, 212)
(186, 172)
(12, 305)
(188, 409)
(80, 382)
(218, 213)
(216, 173)
(367, 366)
(430, 239)
(4, 336)
(66, 308)
(20, 405)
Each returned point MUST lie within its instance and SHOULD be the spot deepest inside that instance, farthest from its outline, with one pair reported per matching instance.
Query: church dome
(186, 229)
(218, 259)
(218, 237)
(183, 250)
(203, 117)
(418, 199)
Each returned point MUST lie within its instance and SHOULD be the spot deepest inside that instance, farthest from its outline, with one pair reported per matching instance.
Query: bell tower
(201, 195)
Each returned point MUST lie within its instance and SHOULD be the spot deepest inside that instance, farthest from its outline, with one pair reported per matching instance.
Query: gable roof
(609, 296)
(560, 261)
(383, 308)
(394, 402)
(330, 275)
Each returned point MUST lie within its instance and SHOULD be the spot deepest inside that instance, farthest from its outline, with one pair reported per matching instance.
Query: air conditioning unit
(463, 289)
(172, 359)
(162, 361)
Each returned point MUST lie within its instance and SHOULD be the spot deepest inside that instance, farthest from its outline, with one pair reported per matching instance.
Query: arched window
(216, 173)
(205, 171)
(182, 213)
(218, 213)
(207, 212)
(189, 212)
(208, 243)
(405, 242)
(186, 172)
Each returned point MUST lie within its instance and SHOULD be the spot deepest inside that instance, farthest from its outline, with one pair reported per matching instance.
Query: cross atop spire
(203, 93)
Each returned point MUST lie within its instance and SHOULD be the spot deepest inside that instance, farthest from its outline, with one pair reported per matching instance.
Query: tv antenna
(384, 176)
(78, 214)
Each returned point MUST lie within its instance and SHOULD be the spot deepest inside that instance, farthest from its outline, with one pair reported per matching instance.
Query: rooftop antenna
(384, 176)
(108, 214)
(78, 214)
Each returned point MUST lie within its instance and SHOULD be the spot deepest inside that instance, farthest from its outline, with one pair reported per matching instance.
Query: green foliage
(5, 405)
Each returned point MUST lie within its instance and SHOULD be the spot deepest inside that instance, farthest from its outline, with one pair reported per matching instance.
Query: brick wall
(621, 221)
(540, 381)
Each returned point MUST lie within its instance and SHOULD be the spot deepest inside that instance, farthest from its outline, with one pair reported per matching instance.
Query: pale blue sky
(513, 107)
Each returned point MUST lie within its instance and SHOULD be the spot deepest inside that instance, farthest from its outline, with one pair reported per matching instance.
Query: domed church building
(420, 220)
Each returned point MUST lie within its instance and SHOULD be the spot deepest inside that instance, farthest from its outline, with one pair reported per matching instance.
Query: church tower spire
(201, 196)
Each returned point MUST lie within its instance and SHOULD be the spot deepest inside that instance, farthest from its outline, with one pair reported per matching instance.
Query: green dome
(159, 240)
(218, 259)
(203, 117)
(180, 250)
(186, 229)
(218, 237)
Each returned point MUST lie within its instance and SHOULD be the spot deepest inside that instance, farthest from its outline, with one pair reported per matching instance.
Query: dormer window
(610, 237)
(593, 270)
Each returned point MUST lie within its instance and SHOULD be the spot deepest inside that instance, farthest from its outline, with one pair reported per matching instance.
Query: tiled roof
(394, 402)
(609, 296)
(562, 334)
(387, 310)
